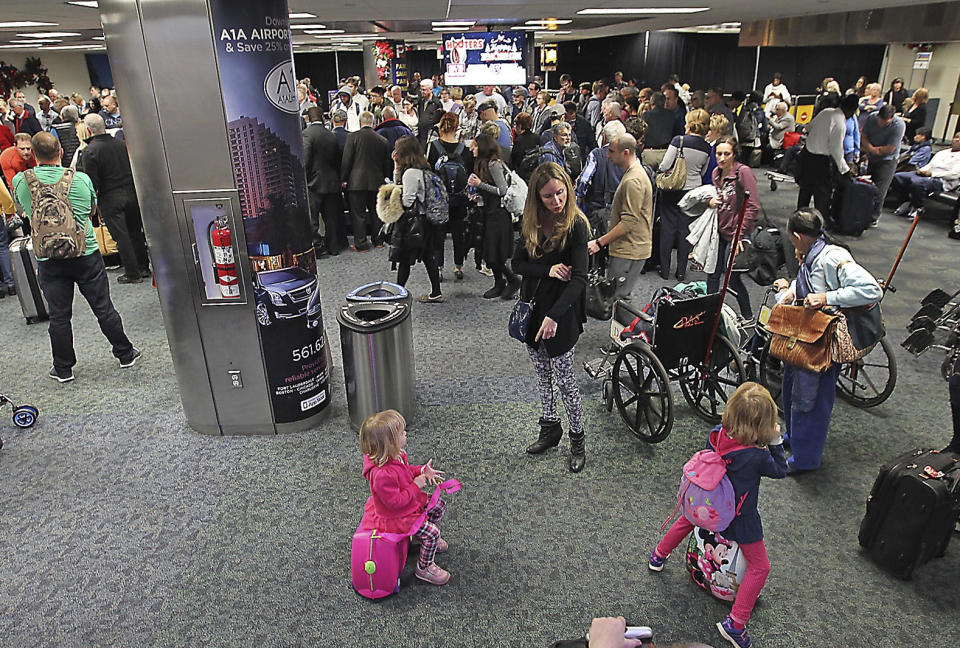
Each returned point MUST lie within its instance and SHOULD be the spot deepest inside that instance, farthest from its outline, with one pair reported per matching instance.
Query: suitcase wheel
(25, 416)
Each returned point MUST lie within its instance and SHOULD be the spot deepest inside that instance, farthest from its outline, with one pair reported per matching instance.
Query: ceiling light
(453, 23)
(84, 3)
(26, 23)
(49, 34)
(318, 32)
(15, 47)
(549, 21)
(98, 38)
(342, 37)
(73, 47)
(525, 28)
(551, 33)
(440, 29)
(641, 10)
(313, 26)
(34, 41)
(295, 16)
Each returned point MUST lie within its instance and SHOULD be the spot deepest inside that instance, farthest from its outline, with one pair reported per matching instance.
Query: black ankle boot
(495, 291)
(578, 454)
(550, 434)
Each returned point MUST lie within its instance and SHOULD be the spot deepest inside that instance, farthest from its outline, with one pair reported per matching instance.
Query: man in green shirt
(58, 276)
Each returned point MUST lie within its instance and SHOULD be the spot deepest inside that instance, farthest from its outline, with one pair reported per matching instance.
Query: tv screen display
(483, 58)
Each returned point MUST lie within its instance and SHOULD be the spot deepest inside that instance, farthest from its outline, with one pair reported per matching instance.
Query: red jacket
(395, 500)
(6, 137)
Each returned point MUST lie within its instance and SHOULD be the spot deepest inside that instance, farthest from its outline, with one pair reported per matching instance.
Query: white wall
(941, 79)
(67, 70)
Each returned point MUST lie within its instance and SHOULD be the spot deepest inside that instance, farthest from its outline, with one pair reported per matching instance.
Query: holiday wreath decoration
(383, 53)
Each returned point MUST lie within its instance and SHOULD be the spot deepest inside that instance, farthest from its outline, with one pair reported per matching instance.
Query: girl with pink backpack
(719, 492)
(396, 496)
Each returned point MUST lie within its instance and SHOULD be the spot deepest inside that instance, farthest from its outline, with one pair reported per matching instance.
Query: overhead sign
(922, 62)
(548, 57)
(481, 58)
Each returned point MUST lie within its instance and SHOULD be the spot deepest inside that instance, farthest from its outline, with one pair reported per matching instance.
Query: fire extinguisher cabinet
(379, 373)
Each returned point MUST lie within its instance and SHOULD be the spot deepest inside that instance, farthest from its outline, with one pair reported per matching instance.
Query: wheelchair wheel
(641, 390)
(707, 387)
(870, 380)
(25, 416)
(771, 374)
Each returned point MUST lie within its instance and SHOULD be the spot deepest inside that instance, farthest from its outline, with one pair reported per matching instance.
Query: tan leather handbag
(675, 178)
(802, 337)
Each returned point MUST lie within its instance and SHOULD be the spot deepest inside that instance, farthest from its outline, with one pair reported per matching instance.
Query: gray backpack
(56, 233)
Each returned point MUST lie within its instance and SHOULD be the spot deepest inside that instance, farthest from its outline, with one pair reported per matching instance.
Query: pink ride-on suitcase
(377, 559)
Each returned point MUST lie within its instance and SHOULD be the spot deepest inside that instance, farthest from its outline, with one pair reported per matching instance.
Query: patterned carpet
(119, 526)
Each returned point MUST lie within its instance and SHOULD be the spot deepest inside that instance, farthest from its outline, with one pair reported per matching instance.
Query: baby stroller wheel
(25, 416)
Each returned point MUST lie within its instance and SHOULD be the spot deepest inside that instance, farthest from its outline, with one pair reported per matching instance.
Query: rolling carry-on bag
(911, 510)
(24, 264)
(853, 206)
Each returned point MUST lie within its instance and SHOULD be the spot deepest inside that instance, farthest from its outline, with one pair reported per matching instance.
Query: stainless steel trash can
(378, 368)
(379, 291)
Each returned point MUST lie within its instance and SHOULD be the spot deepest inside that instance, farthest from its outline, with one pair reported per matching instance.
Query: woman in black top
(552, 259)
(917, 115)
(524, 140)
(456, 155)
(489, 178)
(896, 94)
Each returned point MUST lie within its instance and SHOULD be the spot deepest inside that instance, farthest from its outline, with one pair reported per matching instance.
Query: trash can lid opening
(372, 314)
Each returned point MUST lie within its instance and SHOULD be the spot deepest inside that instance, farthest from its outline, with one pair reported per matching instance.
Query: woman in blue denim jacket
(828, 277)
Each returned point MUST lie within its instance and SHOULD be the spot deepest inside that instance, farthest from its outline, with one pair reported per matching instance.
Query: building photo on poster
(482, 58)
(253, 42)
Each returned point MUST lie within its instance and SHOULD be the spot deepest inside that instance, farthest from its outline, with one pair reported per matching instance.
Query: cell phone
(633, 632)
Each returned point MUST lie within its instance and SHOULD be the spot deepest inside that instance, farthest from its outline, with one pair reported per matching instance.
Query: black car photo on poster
(285, 294)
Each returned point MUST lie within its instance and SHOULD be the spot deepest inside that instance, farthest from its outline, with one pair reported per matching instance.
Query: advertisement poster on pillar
(263, 122)
(483, 58)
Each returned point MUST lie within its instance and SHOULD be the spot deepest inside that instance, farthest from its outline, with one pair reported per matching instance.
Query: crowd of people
(606, 167)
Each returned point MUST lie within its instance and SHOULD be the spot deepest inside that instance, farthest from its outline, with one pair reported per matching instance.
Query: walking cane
(887, 284)
(726, 281)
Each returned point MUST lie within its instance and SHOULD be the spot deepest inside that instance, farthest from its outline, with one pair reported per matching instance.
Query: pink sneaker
(433, 574)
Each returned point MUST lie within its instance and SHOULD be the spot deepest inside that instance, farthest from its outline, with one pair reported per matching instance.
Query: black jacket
(69, 142)
(583, 134)
(525, 142)
(429, 111)
(321, 159)
(366, 160)
(106, 161)
(562, 301)
(27, 123)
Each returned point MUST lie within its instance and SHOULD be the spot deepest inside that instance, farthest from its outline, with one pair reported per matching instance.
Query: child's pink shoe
(433, 574)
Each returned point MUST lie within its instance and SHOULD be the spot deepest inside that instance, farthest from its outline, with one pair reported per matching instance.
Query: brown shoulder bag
(802, 337)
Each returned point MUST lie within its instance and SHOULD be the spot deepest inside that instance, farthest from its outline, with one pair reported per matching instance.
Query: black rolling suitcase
(912, 510)
(853, 206)
(24, 265)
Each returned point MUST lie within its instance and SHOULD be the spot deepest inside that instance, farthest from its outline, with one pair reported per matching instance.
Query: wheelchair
(650, 352)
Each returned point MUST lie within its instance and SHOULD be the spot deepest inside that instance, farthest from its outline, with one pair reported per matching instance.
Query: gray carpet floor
(119, 526)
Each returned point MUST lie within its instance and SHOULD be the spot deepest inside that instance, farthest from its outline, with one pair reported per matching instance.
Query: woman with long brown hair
(414, 238)
(916, 116)
(489, 178)
(452, 161)
(552, 259)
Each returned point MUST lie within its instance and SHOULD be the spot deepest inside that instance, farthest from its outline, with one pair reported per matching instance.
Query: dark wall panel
(803, 68)
(321, 68)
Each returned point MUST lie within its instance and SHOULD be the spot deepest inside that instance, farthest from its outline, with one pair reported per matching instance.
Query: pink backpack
(377, 559)
(706, 497)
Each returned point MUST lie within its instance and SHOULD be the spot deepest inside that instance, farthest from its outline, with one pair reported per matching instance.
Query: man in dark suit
(581, 128)
(366, 164)
(321, 161)
(340, 128)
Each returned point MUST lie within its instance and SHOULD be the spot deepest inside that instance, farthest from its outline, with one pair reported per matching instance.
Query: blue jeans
(736, 280)
(6, 271)
(913, 187)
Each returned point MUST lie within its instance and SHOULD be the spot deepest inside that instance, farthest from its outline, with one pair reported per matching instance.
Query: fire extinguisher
(224, 266)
